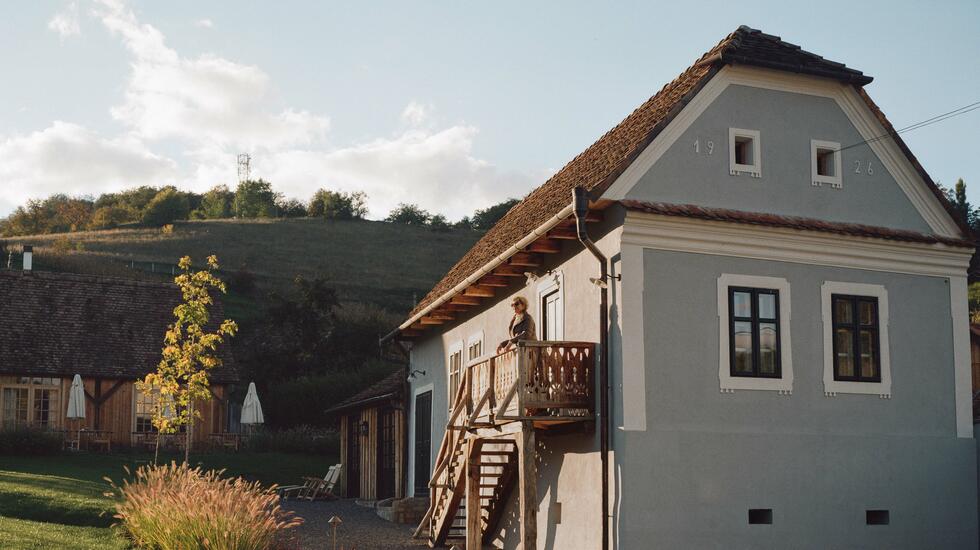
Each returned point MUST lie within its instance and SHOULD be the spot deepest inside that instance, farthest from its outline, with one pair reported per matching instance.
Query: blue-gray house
(751, 331)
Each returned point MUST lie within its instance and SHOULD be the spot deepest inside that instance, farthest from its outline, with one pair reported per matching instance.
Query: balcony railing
(533, 380)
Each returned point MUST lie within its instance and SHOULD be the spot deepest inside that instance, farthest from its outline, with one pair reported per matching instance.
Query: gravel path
(361, 529)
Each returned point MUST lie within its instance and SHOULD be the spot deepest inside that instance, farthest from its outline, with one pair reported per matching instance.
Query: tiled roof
(790, 222)
(391, 386)
(600, 164)
(59, 324)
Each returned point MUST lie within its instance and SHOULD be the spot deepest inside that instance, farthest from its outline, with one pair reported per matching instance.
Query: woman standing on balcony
(521, 324)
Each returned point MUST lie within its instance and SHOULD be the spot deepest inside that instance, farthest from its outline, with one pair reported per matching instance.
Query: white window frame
(832, 387)
(55, 406)
(754, 169)
(455, 347)
(546, 285)
(729, 383)
(818, 180)
(473, 339)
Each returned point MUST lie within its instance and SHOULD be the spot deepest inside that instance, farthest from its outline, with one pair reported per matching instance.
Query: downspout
(580, 200)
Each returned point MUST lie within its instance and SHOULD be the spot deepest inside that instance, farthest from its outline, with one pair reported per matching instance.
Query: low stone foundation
(407, 510)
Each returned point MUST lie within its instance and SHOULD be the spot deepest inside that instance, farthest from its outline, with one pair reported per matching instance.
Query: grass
(366, 261)
(58, 502)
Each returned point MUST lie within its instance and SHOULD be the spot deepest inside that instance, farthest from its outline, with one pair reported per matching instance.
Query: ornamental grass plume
(175, 507)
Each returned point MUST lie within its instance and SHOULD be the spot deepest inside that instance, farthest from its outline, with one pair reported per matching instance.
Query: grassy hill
(365, 261)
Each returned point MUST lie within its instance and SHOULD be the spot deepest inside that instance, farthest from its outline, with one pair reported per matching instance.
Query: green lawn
(58, 502)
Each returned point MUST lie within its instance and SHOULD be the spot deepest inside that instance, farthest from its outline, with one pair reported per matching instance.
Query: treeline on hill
(158, 206)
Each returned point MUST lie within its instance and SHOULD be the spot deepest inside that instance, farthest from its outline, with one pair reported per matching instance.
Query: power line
(921, 124)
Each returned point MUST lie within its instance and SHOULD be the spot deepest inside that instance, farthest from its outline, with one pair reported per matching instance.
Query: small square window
(876, 517)
(744, 152)
(825, 163)
(760, 516)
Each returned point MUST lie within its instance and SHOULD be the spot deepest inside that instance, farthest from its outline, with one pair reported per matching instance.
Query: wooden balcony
(543, 382)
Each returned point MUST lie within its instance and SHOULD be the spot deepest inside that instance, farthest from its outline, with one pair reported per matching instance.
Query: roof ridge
(84, 277)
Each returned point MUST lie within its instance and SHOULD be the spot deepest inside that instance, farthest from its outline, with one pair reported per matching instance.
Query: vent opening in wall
(760, 516)
(744, 152)
(876, 517)
(825, 162)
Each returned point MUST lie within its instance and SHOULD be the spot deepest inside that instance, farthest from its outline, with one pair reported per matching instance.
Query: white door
(552, 326)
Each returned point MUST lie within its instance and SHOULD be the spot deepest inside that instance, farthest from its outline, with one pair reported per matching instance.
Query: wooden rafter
(563, 233)
(546, 246)
(430, 321)
(494, 280)
(525, 259)
(465, 300)
(506, 270)
(479, 290)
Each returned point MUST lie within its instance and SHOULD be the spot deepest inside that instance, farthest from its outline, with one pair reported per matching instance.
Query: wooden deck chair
(288, 491)
(323, 488)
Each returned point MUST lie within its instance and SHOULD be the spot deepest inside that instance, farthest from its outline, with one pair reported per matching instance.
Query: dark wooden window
(753, 325)
(856, 344)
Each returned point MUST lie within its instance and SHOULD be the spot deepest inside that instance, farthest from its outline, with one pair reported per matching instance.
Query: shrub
(171, 507)
(168, 205)
(301, 439)
(29, 441)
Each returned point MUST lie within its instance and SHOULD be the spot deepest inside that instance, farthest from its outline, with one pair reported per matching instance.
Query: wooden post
(97, 421)
(474, 519)
(528, 473)
(521, 378)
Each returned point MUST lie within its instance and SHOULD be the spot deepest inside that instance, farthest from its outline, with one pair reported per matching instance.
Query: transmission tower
(244, 167)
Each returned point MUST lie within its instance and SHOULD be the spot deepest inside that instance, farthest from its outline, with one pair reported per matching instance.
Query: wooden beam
(474, 510)
(494, 280)
(506, 270)
(431, 321)
(525, 259)
(528, 480)
(563, 233)
(97, 421)
(454, 307)
(546, 246)
(465, 300)
(441, 315)
(479, 290)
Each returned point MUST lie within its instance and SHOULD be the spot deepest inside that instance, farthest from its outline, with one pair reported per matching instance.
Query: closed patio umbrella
(76, 399)
(251, 408)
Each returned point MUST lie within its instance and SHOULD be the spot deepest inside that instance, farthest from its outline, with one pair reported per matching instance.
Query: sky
(450, 105)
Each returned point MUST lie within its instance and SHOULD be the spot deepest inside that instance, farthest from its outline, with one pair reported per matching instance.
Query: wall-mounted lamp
(602, 282)
(412, 375)
(365, 428)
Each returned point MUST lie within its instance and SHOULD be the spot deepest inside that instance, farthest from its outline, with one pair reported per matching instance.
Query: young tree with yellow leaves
(190, 352)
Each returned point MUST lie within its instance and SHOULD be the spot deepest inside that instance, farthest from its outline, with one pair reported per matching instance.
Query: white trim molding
(754, 168)
(832, 387)
(887, 151)
(729, 383)
(554, 280)
(633, 338)
(474, 338)
(817, 180)
(962, 374)
(793, 245)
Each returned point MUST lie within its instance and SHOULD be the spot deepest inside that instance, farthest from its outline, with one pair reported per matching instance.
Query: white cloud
(65, 22)
(67, 158)
(206, 100)
(415, 113)
(204, 23)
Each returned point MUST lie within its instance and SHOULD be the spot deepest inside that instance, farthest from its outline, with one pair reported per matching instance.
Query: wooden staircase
(489, 443)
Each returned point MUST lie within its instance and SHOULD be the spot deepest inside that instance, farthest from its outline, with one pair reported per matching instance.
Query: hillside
(365, 261)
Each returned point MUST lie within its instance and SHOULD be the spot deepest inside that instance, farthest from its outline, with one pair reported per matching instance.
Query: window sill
(729, 384)
(820, 181)
(749, 169)
(881, 389)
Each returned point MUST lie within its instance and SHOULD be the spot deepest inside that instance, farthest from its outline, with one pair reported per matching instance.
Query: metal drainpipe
(581, 208)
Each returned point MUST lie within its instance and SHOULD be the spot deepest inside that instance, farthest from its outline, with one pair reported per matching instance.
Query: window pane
(869, 367)
(743, 347)
(14, 407)
(867, 312)
(767, 348)
(767, 306)
(842, 311)
(844, 345)
(44, 403)
(742, 304)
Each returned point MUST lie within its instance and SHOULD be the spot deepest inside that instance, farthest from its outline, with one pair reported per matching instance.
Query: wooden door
(386, 453)
(423, 443)
(354, 455)
(551, 310)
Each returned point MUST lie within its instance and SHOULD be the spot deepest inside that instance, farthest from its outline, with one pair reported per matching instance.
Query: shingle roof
(392, 386)
(59, 324)
(790, 222)
(602, 162)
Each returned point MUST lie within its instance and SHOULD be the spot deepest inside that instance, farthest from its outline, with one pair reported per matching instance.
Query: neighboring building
(372, 440)
(107, 330)
(776, 301)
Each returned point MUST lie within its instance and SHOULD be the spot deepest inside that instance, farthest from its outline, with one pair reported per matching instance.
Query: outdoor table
(99, 438)
(226, 440)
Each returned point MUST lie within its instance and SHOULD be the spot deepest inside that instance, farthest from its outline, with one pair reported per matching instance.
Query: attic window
(760, 516)
(745, 155)
(825, 163)
(876, 517)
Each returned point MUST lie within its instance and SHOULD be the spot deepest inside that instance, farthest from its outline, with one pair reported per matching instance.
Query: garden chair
(299, 491)
(322, 488)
